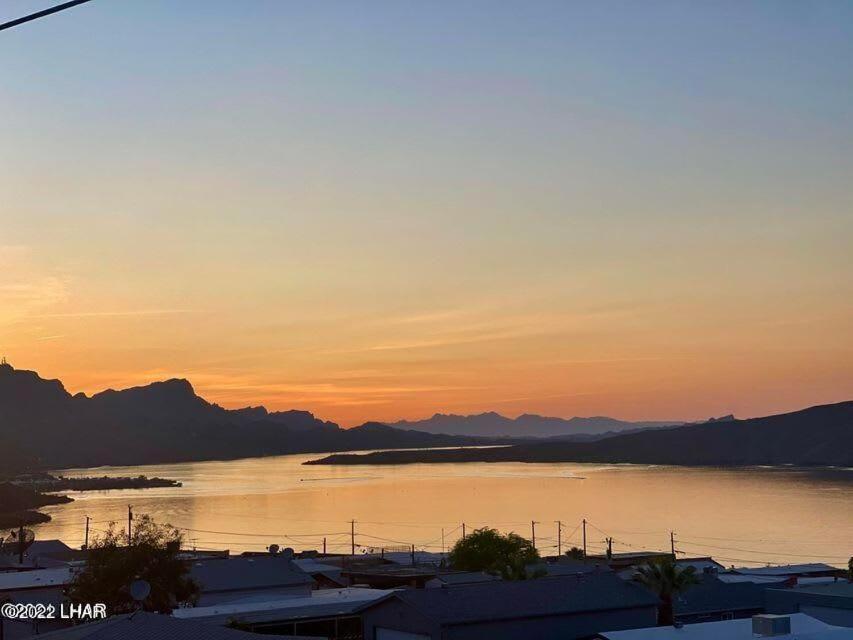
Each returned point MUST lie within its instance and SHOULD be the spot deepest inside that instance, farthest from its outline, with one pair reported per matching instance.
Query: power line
(41, 14)
(263, 535)
(364, 535)
(766, 553)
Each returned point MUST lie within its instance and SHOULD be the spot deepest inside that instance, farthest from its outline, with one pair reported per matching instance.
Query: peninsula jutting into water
(815, 436)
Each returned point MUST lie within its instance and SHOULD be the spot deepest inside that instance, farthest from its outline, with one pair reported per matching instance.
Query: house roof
(572, 568)
(732, 578)
(786, 570)
(315, 568)
(712, 595)
(35, 579)
(391, 571)
(236, 574)
(311, 565)
(803, 627)
(839, 588)
(40, 547)
(149, 626)
(421, 557)
(321, 603)
(838, 595)
(464, 577)
(700, 564)
(503, 600)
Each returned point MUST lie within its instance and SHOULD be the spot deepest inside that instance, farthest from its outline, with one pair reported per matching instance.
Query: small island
(49, 482)
(22, 495)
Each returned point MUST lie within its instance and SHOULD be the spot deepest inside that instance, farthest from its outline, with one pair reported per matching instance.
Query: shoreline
(29, 492)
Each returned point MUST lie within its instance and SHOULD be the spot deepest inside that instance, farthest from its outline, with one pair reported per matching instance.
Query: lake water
(744, 516)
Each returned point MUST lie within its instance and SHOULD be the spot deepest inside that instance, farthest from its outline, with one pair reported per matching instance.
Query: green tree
(113, 565)
(666, 579)
(493, 552)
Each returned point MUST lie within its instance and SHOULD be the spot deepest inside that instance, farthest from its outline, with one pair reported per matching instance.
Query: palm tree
(575, 554)
(667, 580)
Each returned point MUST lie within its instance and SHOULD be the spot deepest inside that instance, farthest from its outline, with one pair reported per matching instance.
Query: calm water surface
(745, 516)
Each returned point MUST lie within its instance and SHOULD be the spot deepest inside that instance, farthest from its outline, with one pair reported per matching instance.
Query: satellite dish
(17, 542)
(139, 590)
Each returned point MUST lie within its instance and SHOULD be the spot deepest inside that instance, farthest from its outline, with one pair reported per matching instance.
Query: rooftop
(732, 578)
(712, 595)
(785, 570)
(631, 555)
(39, 547)
(700, 564)
(150, 626)
(838, 595)
(571, 568)
(311, 565)
(392, 570)
(236, 574)
(322, 603)
(503, 600)
(803, 627)
(421, 557)
(35, 579)
(464, 577)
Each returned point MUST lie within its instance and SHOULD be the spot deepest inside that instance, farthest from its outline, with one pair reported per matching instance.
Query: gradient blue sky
(385, 209)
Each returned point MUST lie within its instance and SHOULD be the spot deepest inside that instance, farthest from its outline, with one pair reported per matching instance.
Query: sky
(384, 210)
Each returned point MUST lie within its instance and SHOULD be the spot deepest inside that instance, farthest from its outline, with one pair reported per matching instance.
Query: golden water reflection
(739, 516)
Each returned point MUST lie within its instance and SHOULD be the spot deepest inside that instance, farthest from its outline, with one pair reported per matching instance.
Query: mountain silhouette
(821, 435)
(43, 426)
(493, 424)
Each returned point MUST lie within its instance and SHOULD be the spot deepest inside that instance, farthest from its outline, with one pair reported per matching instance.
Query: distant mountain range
(820, 435)
(42, 426)
(525, 426)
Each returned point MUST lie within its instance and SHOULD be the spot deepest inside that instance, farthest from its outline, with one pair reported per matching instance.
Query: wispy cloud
(24, 288)
(116, 314)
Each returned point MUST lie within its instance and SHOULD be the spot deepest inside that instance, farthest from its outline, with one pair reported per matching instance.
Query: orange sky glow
(383, 215)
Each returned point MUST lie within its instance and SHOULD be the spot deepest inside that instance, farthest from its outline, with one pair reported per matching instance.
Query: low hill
(493, 424)
(821, 435)
(17, 504)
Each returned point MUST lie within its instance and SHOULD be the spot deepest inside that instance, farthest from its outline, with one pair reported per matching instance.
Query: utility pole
(463, 530)
(86, 538)
(533, 532)
(559, 538)
(324, 546)
(672, 543)
(129, 520)
(584, 538)
(21, 543)
(442, 540)
(413, 555)
(609, 548)
(352, 536)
